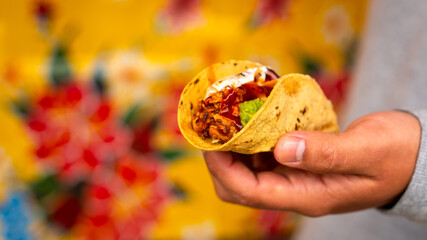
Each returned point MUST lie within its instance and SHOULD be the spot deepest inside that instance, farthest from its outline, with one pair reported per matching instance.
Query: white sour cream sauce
(236, 80)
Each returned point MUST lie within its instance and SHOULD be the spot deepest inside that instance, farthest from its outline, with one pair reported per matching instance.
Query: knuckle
(328, 156)
(317, 211)
(224, 196)
(235, 194)
(245, 198)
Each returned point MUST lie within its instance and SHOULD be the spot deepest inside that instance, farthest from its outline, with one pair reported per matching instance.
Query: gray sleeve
(413, 202)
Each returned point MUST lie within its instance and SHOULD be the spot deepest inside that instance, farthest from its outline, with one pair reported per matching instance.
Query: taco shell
(295, 103)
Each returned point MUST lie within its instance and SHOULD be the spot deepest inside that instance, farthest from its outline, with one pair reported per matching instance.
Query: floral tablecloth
(89, 144)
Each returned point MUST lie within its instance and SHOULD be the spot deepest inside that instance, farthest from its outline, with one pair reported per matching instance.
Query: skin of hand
(368, 165)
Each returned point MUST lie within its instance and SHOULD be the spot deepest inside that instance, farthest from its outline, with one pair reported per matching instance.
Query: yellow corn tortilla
(295, 103)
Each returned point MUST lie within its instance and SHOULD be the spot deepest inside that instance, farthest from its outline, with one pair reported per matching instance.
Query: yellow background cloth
(146, 51)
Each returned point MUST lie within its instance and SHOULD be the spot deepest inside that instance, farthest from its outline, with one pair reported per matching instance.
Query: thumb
(320, 152)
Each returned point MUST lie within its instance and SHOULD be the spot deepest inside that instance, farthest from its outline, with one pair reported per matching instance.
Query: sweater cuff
(413, 203)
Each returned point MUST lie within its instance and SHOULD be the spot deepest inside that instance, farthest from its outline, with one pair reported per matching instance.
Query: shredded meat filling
(218, 116)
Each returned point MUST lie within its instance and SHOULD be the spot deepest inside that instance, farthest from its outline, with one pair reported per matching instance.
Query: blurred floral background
(89, 144)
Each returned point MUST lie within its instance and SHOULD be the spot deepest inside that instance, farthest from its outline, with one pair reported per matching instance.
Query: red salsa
(218, 116)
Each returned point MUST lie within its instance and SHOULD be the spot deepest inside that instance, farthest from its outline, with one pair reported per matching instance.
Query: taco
(244, 107)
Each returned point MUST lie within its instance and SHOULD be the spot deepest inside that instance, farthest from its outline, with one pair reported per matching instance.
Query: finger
(283, 188)
(292, 189)
(234, 175)
(221, 191)
(321, 152)
(237, 183)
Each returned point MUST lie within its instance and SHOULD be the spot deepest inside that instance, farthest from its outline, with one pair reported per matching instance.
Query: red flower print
(269, 10)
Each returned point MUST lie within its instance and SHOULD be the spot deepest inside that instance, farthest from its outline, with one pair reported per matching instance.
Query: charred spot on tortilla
(180, 103)
(235, 64)
(304, 110)
(196, 82)
(296, 126)
(298, 120)
(191, 106)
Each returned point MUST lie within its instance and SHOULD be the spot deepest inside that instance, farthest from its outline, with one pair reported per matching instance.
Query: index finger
(265, 189)
(233, 174)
